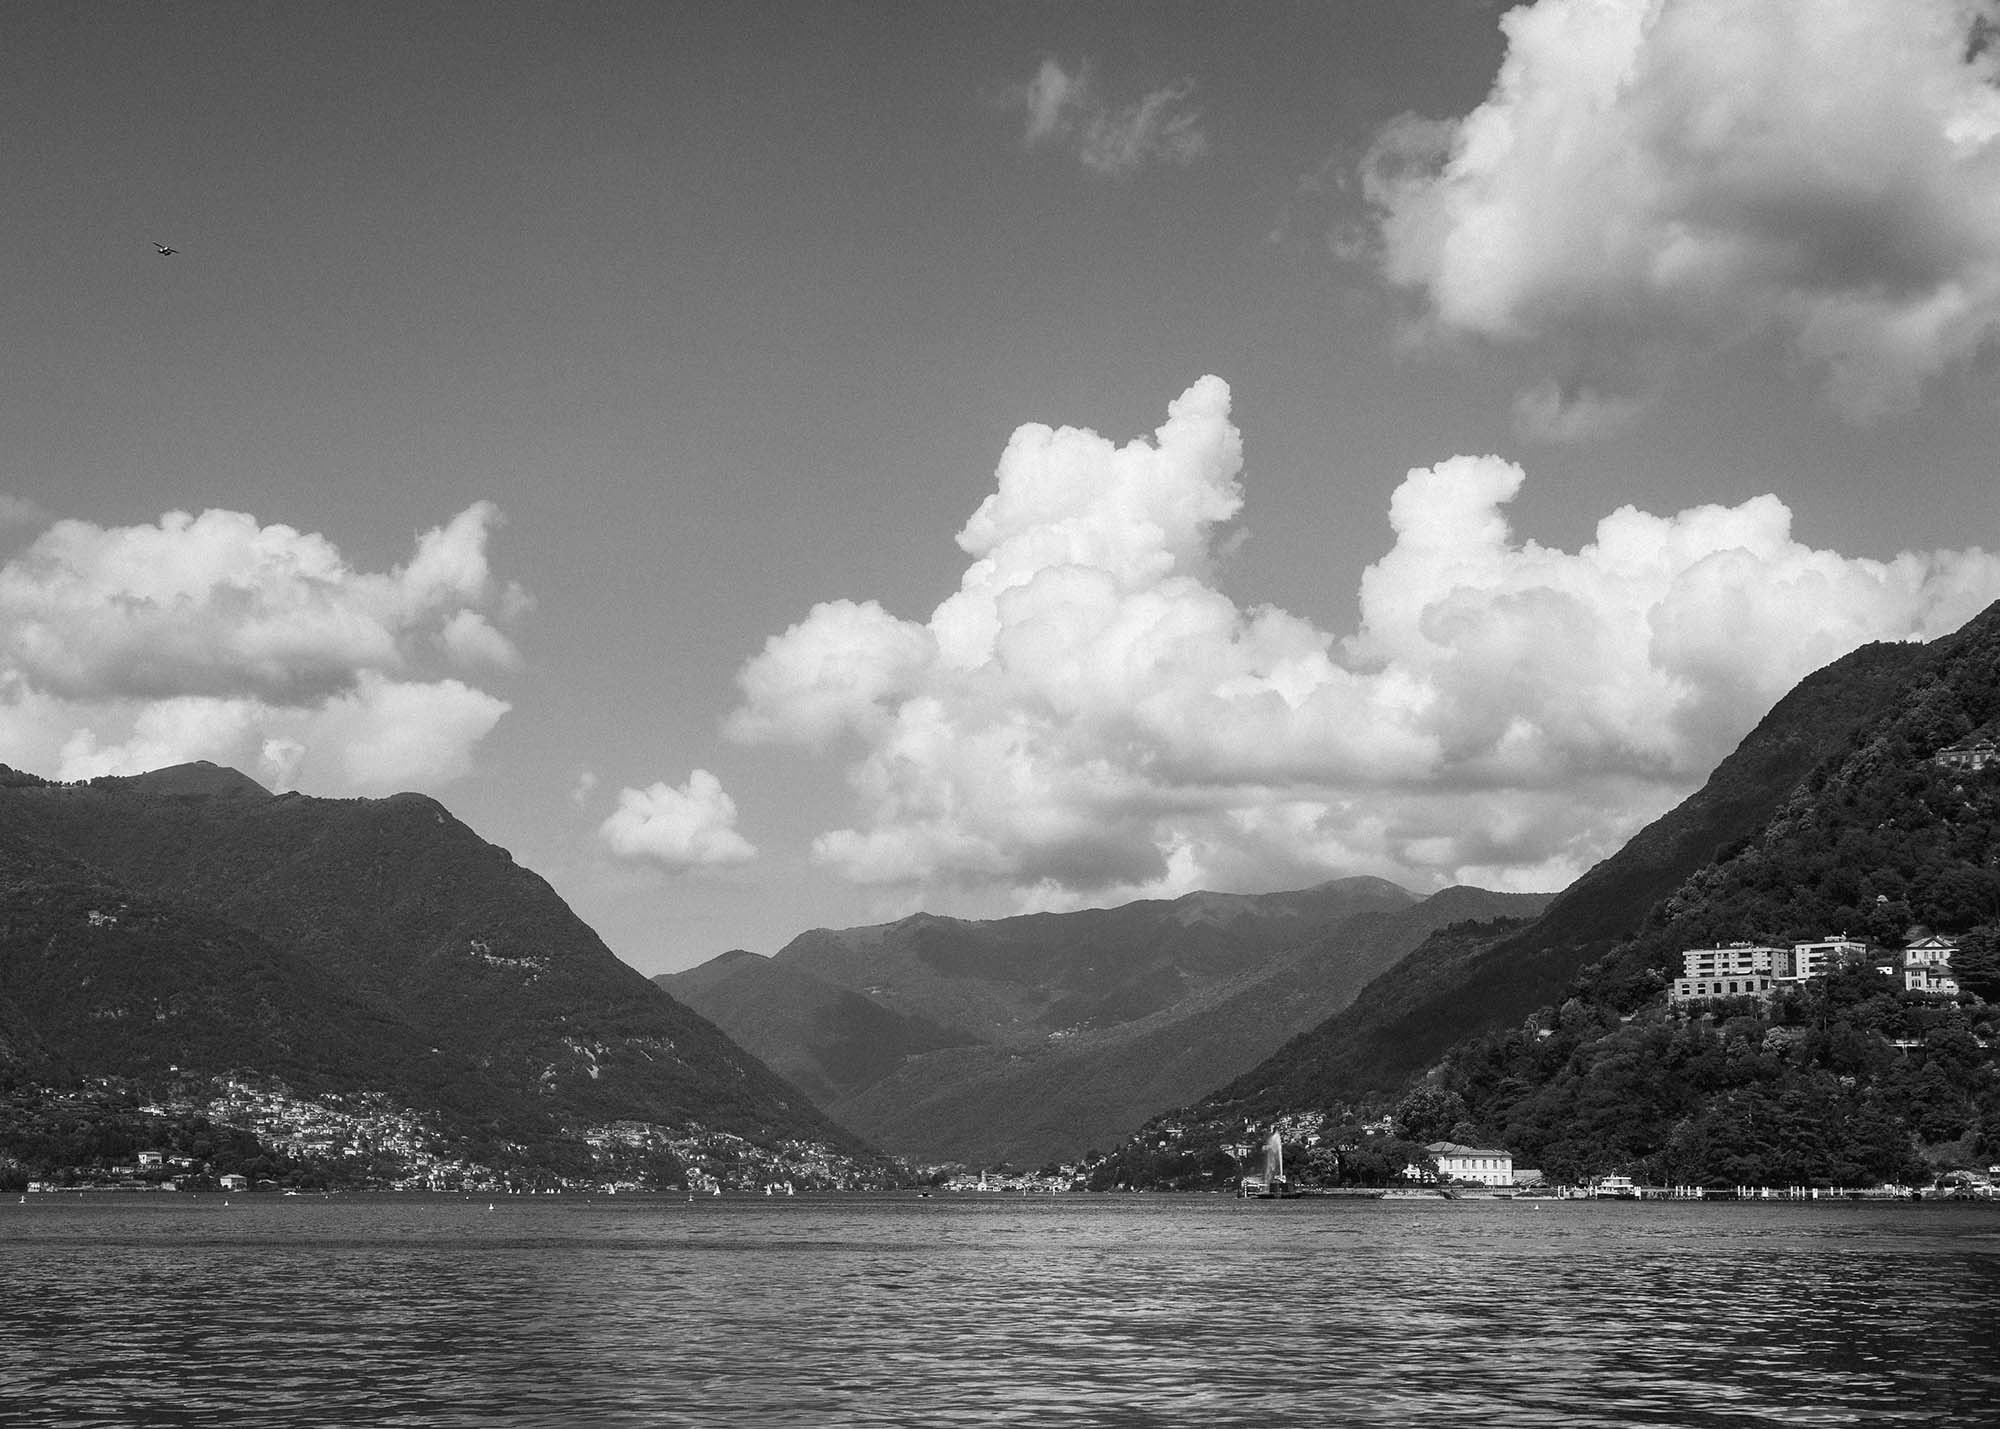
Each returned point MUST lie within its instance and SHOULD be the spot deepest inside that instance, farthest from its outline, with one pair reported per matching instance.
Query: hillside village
(244, 1133)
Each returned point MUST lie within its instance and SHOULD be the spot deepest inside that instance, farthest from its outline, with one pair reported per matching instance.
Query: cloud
(693, 826)
(1089, 716)
(19, 511)
(213, 636)
(1651, 180)
(1064, 110)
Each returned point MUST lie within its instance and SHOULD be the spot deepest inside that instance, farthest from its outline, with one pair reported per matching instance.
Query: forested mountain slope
(1456, 986)
(1840, 813)
(189, 920)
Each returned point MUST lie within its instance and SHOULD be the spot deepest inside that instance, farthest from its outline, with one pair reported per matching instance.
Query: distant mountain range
(187, 923)
(1039, 1037)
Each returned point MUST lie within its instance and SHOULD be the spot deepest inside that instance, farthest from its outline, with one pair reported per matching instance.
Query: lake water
(1113, 1310)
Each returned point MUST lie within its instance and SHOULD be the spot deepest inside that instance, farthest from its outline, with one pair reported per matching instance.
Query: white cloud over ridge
(1090, 717)
(1650, 179)
(691, 827)
(1065, 110)
(19, 511)
(212, 636)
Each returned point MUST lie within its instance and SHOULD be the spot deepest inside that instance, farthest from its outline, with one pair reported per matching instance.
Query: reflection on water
(153, 1310)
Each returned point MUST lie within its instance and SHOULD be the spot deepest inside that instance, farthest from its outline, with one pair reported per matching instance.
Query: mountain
(1037, 1037)
(824, 1038)
(187, 924)
(1458, 985)
(1852, 1078)
(1858, 805)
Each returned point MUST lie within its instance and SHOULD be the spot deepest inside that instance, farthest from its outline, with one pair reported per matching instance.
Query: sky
(774, 466)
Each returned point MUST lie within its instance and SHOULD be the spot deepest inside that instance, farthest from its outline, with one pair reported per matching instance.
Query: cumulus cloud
(1653, 179)
(693, 826)
(1089, 716)
(1064, 110)
(19, 511)
(213, 636)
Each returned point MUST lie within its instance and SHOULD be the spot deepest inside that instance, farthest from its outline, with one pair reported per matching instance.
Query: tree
(1975, 963)
(1429, 1113)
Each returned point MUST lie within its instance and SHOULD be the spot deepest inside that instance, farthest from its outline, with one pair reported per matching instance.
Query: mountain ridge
(457, 980)
(1405, 1021)
(1036, 1037)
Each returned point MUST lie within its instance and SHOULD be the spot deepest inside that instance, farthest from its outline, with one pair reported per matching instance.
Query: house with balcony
(1927, 966)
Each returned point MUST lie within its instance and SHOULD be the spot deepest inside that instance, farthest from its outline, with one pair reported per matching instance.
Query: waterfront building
(1485, 1165)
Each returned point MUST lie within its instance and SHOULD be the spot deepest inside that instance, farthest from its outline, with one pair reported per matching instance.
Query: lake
(989, 1310)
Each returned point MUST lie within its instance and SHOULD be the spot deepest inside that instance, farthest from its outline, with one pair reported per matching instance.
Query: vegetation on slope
(1405, 1020)
(185, 920)
(1034, 1038)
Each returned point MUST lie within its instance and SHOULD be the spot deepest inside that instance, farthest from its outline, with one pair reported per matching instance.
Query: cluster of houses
(1755, 970)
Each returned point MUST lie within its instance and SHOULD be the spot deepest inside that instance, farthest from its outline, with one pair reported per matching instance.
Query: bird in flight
(166, 252)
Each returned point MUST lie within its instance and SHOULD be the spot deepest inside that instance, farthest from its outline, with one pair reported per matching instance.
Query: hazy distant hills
(189, 918)
(1039, 1036)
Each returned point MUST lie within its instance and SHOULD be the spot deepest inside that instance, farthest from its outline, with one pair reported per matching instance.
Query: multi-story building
(1737, 970)
(1754, 970)
(1817, 959)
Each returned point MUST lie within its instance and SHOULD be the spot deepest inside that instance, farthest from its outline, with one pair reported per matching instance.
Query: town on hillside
(244, 1133)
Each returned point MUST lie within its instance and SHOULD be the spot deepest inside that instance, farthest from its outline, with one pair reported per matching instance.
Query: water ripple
(1088, 1311)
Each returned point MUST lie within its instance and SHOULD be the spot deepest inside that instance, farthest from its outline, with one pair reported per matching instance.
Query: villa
(1472, 1163)
(1927, 966)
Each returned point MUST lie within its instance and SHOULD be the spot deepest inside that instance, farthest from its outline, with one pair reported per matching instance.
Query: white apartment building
(1735, 970)
(1753, 970)
(1818, 959)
